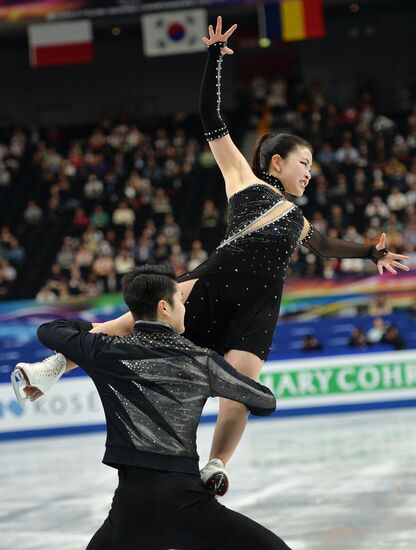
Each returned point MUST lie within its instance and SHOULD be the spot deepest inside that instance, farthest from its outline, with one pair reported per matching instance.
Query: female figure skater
(233, 298)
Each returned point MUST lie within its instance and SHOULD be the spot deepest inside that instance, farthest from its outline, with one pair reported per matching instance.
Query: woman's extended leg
(232, 417)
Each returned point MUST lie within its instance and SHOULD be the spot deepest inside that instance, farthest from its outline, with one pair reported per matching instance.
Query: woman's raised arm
(234, 167)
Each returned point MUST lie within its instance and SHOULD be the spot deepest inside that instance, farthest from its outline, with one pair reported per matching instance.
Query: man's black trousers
(155, 510)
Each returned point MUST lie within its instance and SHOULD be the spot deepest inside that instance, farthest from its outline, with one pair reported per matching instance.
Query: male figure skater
(153, 385)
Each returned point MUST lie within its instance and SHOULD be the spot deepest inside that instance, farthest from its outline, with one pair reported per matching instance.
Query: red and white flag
(60, 43)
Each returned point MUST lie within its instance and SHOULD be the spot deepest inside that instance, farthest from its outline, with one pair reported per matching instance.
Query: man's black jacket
(153, 385)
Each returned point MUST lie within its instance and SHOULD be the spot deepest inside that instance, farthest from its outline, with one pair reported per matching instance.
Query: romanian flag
(291, 20)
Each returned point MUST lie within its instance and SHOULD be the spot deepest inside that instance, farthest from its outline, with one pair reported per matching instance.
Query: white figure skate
(42, 376)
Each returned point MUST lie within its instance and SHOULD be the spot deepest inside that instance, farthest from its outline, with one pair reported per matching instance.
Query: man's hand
(32, 393)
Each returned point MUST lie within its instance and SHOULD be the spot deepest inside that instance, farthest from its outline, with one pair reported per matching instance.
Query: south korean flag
(174, 32)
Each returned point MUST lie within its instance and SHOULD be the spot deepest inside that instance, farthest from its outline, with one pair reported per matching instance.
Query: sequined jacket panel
(264, 252)
(153, 385)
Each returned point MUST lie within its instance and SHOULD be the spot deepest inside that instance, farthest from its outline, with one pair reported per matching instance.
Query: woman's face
(294, 170)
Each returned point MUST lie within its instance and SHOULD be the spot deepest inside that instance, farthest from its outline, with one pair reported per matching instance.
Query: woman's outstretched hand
(390, 260)
(218, 36)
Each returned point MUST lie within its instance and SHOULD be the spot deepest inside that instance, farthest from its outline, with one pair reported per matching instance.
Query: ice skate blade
(217, 484)
(18, 383)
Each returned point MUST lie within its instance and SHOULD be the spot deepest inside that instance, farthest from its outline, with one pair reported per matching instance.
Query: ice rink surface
(341, 482)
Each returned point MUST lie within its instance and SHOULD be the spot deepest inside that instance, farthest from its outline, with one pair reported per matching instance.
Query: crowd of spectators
(380, 333)
(12, 253)
(124, 189)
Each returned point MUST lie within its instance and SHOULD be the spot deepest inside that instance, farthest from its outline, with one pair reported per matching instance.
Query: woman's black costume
(235, 302)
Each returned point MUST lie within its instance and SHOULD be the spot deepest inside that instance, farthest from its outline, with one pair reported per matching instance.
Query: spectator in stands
(380, 306)
(123, 215)
(65, 257)
(409, 233)
(177, 260)
(378, 186)
(144, 250)
(393, 338)
(161, 251)
(171, 230)
(395, 172)
(76, 285)
(319, 221)
(80, 221)
(358, 339)
(397, 201)
(15, 252)
(46, 295)
(351, 265)
(330, 268)
(7, 276)
(377, 208)
(197, 255)
(152, 171)
(103, 269)
(92, 238)
(84, 258)
(210, 224)
(347, 154)
(54, 209)
(32, 214)
(311, 343)
(160, 205)
(5, 177)
(376, 332)
(94, 188)
(123, 263)
(411, 193)
(99, 218)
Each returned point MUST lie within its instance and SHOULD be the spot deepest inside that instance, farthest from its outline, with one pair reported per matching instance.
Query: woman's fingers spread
(400, 266)
(391, 269)
(230, 31)
(219, 25)
(401, 257)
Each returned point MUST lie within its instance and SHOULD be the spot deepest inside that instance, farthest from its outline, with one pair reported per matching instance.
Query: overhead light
(264, 42)
(116, 31)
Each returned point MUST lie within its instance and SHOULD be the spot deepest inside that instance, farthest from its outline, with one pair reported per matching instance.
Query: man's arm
(227, 382)
(72, 339)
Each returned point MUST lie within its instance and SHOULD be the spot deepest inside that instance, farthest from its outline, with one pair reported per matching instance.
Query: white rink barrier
(302, 386)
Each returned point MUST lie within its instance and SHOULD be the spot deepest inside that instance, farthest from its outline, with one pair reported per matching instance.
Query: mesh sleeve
(337, 248)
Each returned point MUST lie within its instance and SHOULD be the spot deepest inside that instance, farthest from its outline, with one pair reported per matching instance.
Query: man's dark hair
(145, 286)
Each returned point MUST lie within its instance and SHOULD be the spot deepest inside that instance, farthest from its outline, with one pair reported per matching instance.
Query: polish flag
(60, 43)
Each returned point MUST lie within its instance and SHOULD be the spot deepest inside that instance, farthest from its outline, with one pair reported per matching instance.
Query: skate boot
(42, 375)
(215, 478)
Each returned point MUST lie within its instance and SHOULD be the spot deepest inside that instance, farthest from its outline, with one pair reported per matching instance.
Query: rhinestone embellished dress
(236, 300)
